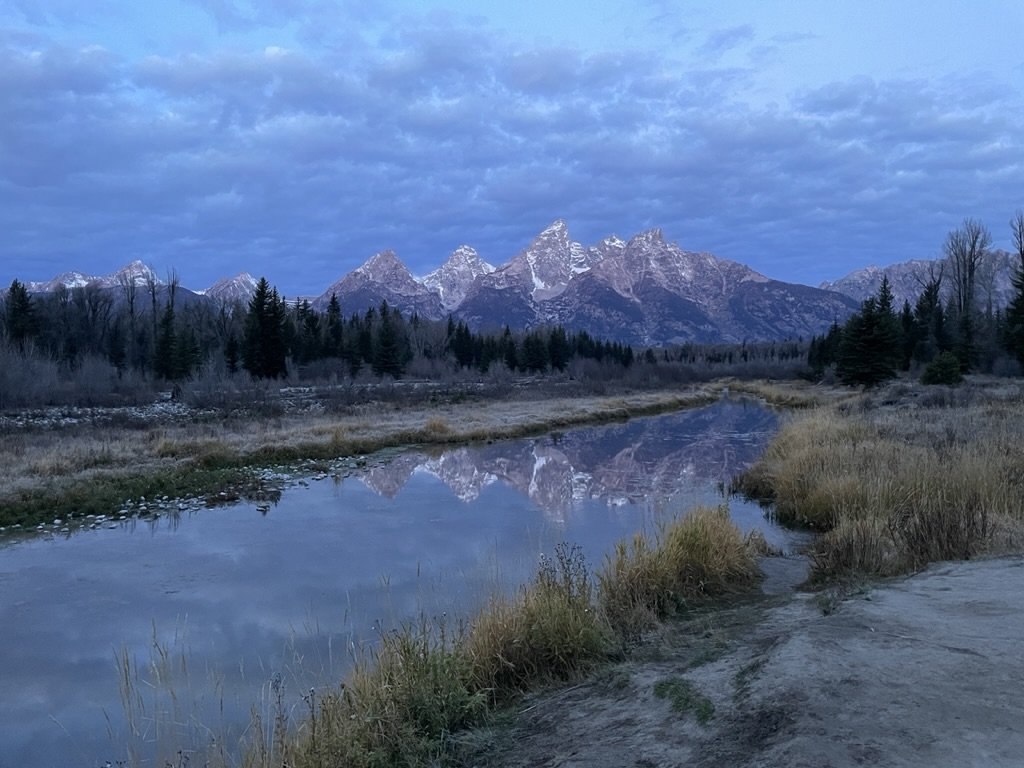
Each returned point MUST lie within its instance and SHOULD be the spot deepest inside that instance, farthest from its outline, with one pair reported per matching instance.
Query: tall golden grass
(404, 701)
(899, 479)
(699, 556)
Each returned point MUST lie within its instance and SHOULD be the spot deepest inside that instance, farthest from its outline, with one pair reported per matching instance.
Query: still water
(227, 606)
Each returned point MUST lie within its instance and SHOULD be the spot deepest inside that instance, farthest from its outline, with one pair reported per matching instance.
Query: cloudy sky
(295, 138)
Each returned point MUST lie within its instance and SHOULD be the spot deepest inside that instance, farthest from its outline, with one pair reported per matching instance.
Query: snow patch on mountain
(453, 279)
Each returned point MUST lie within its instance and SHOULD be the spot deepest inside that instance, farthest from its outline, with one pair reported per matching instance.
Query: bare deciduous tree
(129, 289)
(1017, 227)
(965, 248)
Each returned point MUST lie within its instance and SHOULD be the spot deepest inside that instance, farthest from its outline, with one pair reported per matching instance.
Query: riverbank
(925, 670)
(874, 669)
(900, 477)
(96, 465)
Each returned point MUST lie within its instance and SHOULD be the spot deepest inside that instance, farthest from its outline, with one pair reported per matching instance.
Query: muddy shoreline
(926, 670)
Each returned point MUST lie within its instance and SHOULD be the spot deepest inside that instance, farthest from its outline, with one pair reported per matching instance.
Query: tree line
(147, 329)
(945, 333)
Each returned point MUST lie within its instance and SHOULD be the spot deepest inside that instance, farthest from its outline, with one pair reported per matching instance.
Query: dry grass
(900, 478)
(699, 556)
(788, 394)
(550, 630)
(403, 702)
(53, 472)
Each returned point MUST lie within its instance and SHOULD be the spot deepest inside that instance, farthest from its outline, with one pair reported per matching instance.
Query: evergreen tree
(117, 351)
(869, 351)
(387, 355)
(165, 353)
(231, 353)
(263, 347)
(20, 315)
(1013, 333)
(558, 349)
(535, 353)
(335, 328)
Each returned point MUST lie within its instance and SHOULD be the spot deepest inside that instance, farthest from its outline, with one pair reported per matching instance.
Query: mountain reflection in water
(250, 597)
(642, 460)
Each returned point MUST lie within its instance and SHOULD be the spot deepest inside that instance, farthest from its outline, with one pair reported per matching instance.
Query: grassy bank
(93, 469)
(901, 477)
(403, 704)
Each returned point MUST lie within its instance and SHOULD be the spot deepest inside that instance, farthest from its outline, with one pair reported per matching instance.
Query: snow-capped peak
(135, 272)
(453, 279)
(241, 287)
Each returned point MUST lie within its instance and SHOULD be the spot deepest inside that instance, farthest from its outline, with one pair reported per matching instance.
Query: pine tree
(165, 352)
(263, 347)
(20, 315)
(335, 328)
(558, 349)
(869, 352)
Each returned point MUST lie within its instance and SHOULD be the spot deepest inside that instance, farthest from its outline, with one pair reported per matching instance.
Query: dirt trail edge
(926, 671)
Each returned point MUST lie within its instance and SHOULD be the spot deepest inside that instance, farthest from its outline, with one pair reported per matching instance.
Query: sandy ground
(925, 671)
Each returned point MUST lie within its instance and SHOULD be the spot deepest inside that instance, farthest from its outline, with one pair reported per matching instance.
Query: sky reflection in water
(243, 597)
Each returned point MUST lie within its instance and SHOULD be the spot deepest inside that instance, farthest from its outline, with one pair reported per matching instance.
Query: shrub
(944, 369)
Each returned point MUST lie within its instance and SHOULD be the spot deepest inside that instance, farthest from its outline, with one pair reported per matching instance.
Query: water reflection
(620, 464)
(245, 596)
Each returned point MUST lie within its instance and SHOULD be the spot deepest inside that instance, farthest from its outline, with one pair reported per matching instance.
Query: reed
(898, 479)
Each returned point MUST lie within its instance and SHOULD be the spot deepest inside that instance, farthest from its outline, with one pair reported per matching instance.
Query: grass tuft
(699, 556)
(550, 630)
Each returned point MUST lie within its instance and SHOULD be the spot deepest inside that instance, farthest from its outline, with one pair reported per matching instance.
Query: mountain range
(641, 291)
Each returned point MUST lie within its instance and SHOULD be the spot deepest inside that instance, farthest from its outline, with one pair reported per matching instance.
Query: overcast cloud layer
(295, 138)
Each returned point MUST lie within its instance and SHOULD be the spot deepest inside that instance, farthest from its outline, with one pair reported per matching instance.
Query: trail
(924, 671)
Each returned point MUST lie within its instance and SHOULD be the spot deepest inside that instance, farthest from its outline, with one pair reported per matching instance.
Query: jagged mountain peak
(241, 287)
(549, 262)
(558, 227)
(653, 236)
(453, 279)
(136, 272)
(386, 260)
(382, 277)
(907, 278)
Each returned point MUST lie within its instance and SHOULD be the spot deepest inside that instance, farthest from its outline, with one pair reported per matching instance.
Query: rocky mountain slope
(453, 279)
(383, 277)
(906, 278)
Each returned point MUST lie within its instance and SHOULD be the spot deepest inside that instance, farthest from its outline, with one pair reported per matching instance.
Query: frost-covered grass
(52, 470)
(901, 477)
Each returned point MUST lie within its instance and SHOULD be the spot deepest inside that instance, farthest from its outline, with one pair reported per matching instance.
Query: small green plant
(685, 698)
(745, 676)
(944, 369)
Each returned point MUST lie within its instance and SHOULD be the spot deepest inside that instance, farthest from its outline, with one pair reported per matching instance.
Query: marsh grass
(699, 556)
(93, 468)
(407, 697)
(550, 630)
(899, 478)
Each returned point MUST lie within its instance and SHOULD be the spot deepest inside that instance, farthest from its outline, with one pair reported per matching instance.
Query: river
(207, 614)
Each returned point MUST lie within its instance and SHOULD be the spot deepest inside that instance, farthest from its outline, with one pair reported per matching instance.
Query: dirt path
(927, 671)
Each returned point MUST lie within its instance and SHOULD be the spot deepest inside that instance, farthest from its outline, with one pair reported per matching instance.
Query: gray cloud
(722, 41)
(300, 164)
